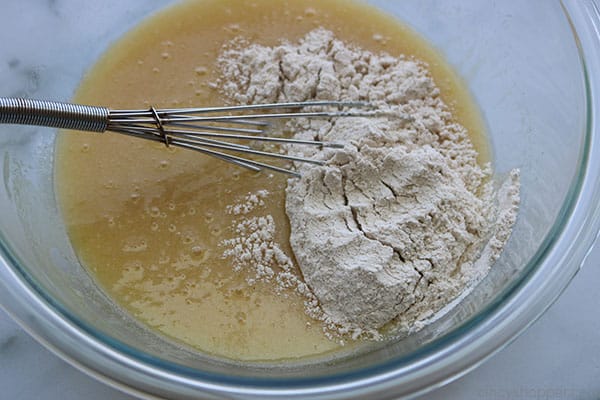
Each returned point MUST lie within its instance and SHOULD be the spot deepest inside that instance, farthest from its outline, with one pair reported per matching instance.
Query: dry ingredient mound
(400, 221)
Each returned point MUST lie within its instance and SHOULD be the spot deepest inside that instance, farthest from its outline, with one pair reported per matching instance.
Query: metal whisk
(207, 130)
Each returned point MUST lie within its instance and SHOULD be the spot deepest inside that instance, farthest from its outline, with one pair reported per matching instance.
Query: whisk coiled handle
(53, 114)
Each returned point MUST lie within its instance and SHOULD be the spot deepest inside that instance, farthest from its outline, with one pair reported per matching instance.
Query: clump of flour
(249, 203)
(396, 224)
(255, 252)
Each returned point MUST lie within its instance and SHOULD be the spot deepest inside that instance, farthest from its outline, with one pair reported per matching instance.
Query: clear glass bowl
(527, 63)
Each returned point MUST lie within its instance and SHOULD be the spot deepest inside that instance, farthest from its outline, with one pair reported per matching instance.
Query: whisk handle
(53, 114)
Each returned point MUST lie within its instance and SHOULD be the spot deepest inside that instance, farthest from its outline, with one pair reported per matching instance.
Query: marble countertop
(558, 358)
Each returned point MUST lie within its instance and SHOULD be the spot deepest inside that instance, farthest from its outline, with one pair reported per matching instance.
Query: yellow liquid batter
(147, 221)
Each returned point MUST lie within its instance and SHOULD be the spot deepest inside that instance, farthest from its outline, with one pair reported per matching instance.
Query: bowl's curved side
(525, 301)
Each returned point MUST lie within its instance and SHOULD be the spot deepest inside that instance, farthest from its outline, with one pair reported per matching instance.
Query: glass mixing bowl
(529, 64)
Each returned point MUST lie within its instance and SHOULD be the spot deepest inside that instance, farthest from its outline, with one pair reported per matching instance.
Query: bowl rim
(547, 274)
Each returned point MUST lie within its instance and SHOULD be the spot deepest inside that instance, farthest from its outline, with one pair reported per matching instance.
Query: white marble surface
(558, 358)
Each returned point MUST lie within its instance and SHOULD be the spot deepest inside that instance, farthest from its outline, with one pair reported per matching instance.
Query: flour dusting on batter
(400, 221)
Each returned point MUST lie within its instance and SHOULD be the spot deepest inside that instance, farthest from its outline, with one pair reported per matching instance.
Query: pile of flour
(400, 221)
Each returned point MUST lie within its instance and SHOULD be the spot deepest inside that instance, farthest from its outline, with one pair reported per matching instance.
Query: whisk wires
(219, 131)
(223, 132)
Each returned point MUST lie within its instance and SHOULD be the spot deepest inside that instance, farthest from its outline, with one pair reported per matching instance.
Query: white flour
(395, 225)
(250, 202)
